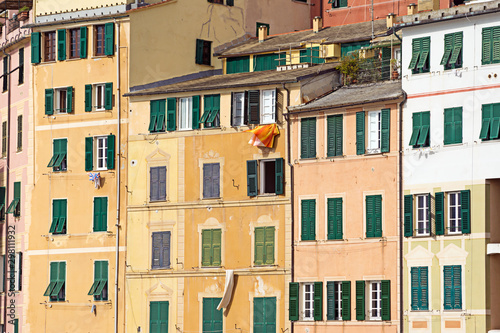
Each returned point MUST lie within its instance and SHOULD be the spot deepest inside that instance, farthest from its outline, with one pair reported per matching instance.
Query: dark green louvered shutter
(199, 51)
(153, 115)
(374, 216)
(424, 288)
(448, 127)
(486, 46)
(61, 44)
(111, 152)
(196, 112)
(408, 215)
(308, 138)
(346, 300)
(229, 2)
(334, 135)
(417, 122)
(318, 301)
(386, 299)
(385, 131)
(330, 300)
(109, 39)
(293, 303)
(253, 106)
(423, 138)
(334, 211)
(108, 96)
(49, 101)
(88, 98)
(415, 288)
(415, 53)
(448, 48)
(457, 287)
(308, 218)
(495, 52)
(360, 300)
(425, 45)
(457, 48)
(439, 211)
(486, 116)
(83, 42)
(69, 99)
(89, 158)
(448, 286)
(465, 211)
(279, 175)
(171, 109)
(160, 120)
(252, 178)
(35, 47)
(360, 133)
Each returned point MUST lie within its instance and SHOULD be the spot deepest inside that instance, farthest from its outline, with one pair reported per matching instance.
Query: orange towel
(263, 136)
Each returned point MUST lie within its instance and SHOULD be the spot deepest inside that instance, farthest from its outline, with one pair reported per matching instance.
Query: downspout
(401, 217)
(5, 284)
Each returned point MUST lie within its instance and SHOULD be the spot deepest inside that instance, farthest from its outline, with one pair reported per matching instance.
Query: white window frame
(238, 117)
(375, 291)
(307, 304)
(262, 178)
(58, 105)
(454, 224)
(101, 145)
(185, 113)
(95, 96)
(268, 112)
(338, 300)
(374, 131)
(423, 224)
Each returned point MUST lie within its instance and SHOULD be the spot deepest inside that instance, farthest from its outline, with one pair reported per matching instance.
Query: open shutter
(153, 115)
(293, 304)
(61, 44)
(346, 300)
(83, 42)
(439, 210)
(424, 53)
(196, 112)
(88, 98)
(199, 51)
(423, 138)
(279, 175)
(448, 48)
(386, 300)
(49, 101)
(63, 206)
(55, 215)
(408, 215)
(330, 300)
(360, 300)
(89, 158)
(318, 301)
(415, 53)
(108, 96)
(259, 246)
(160, 120)
(171, 109)
(216, 247)
(457, 47)
(487, 117)
(385, 132)
(252, 178)
(110, 157)
(360, 133)
(109, 38)
(253, 106)
(35, 47)
(69, 99)
(465, 211)
(417, 122)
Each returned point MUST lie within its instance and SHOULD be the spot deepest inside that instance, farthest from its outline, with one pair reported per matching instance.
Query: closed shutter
(212, 318)
(253, 106)
(69, 99)
(378, 215)
(269, 246)
(19, 270)
(279, 176)
(61, 44)
(308, 138)
(154, 184)
(216, 247)
(89, 159)
(196, 112)
(360, 133)
(35, 47)
(386, 300)
(165, 250)
(211, 180)
(448, 286)
(252, 178)
(108, 96)
(160, 120)
(334, 218)
(424, 288)
(156, 249)
(439, 210)
(206, 244)
(360, 300)
(83, 42)
(49, 101)
(408, 215)
(171, 109)
(2, 203)
(415, 288)
(486, 46)
(449, 129)
(334, 135)
(318, 301)
(465, 211)
(88, 98)
(374, 216)
(495, 53)
(457, 287)
(259, 246)
(330, 300)
(346, 300)
(417, 122)
(293, 302)
(103, 218)
(110, 157)
(162, 186)
(308, 231)
(158, 317)
(258, 315)
(109, 38)
(385, 131)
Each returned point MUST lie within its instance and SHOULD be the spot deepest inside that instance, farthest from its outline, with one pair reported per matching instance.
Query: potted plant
(395, 69)
(349, 67)
(23, 13)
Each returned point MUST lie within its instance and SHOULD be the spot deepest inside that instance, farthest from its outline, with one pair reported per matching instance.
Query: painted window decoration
(56, 289)
(100, 153)
(265, 177)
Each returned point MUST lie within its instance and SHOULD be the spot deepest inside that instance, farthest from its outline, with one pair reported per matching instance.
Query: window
(334, 135)
(98, 97)
(338, 301)
(20, 133)
(99, 288)
(211, 247)
(56, 288)
(15, 205)
(158, 317)
(264, 246)
(308, 138)
(455, 215)
(158, 183)
(212, 318)
(419, 62)
(203, 52)
(239, 115)
(423, 215)
(452, 57)
(5, 73)
(104, 39)
(189, 113)
(21, 66)
(374, 118)
(216, 1)
(254, 107)
(350, 49)
(308, 219)
(308, 301)
(157, 116)
(100, 214)
(490, 125)
(211, 180)
(453, 125)
(2, 203)
(59, 100)
(375, 300)
(420, 136)
(264, 314)
(379, 300)
(266, 62)
(452, 277)
(161, 250)
(211, 110)
(311, 55)
(100, 153)
(237, 65)
(99, 38)
(4, 139)
(338, 3)
(259, 24)
(61, 44)
(309, 306)
(419, 288)
(59, 216)
(58, 162)
(490, 46)
(378, 132)
(334, 215)
(18, 270)
(373, 216)
(265, 177)
(49, 46)
(74, 46)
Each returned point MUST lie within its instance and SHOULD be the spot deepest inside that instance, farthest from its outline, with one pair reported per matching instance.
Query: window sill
(158, 201)
(214, 198)
(421, 311)
(335, 240)
(100, 56)
(267, 195)
(162, 269)
(422, 235)
(452, 144)
(373, 151)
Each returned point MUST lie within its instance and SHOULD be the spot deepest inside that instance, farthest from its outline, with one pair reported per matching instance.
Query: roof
(239, 80)
(339, 34)
(355, 95)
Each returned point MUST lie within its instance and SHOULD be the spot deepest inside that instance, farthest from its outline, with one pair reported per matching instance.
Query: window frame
(185, 113)
(418, 288)
(421, 55)
(426, 217)
(19, 133)
(377, 300)
(49, 46)
(265, 261)
(421, 133)
(373, 219)
(488, 48)
(453, 49)
(96, 88)
(59, 160)
(235, 112)
(100, 286)
(212, 321)
(490, 125)
(160, 198)
(256, 180)
(456, 225)
(307, 304)
(311, 220)
(453, 120)
(74, 43)
(454, 285)
(335, 135)
(337, 3)
(101, 145)
(211, 262)
(20, 79)
(99, 36)
(4, 138)
(58, 281)
(59, 226)
(96, 222)
(377, 132)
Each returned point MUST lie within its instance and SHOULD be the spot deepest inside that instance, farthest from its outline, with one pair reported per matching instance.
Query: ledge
(493, 249)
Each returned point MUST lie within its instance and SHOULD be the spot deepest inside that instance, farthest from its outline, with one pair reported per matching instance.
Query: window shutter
(465, 211)
(229, 2)
(63, 206)
(346, 300)
(171, 109)
(154, 184)
(196, 112)
(89, 158)
(360, 300)
(486, 46)
(424, 131)
(83, 42)
(424, 288)
(69, 99)
(252, 178)
(415, 53)
(269, 245)
(110, 160)
(360, 133)
(160, 120)
(408, 217)
(61, 44)
(424, 53)
(439, 208)
(448, 47)
(457, 287)
(2, 203)
(156, 250)
(259, 246)
(215, 180)
(207, 108)
(165, 249)
(162, 183)
(216, 247)
(386, 300)
(417, 122)
(97, 214)
(448, 285)
(343, 3)
(318, 301)
(487, 115)
(153, 115)
(104, 214)
(35, 47)
(312, 137)
(378, 215)
(88, 98)
(259, 325)
(495, 53)
(334, 218)
(279, 175)
(308, 231)
(206, 244)
(385, 132)
(330, 300)
(49, 101)
(339, 135)
(253, 106)
(109, 38)
(19, 270)
(55, 215)
(108, 96)
(415, 288)
(293, 303)
(449, 128)
(457, 47)
(199, 51)
(334, 135)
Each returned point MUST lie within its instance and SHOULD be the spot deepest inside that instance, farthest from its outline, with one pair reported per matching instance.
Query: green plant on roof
(349, 67)
(24, 9)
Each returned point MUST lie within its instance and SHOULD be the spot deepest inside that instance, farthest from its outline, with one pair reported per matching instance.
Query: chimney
(412, 9)
(317, 24)
(390, 20)
(262, 33)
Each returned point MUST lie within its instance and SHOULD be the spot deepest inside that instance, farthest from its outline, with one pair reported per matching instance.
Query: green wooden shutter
(457, 48)
(374, 216)
(109, 39)
(386, 300)
(293, 301)
(110, 156)
(495, 121)
(108, 96)
(196, 112)
(160, 120)
(439, 210)
(229, 2)
(206, 244)
(269, 245)
(83, 42)
(465, 211)
(415, 288)
(216, 247)
(417, 122)
(89, 152)
(63, 207)
(153, 115)
(449, 128)
(199, 51)
(171, 109)
(448, 48)
(346, 300)
(259, 246)
(330, 300)
(334, 211)
(378, 215)
(308, 138)
(423, 138)
(425, 51)
(334, 135)
(360, 300)
(457, 287)
(308, 231)
(69, 99)
(415, 53)
(370, 217)
(486, 46)
(408, 215)
(253, 106)
(49, 101)
(385, 131)
(259, 325)
(360, 133)
(495, 52)
(424, 288)
(35, 47)
(448, 286)
(279, 176)
(61, 44)
(88, 98)
(318, 301)
(252, 178)
(2, 203)
(487, 116)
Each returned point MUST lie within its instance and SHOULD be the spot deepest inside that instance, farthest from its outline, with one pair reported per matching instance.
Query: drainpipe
(401, 217)
(7, 187)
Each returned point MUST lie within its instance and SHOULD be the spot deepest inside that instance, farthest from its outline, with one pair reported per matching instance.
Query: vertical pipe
(401, 217)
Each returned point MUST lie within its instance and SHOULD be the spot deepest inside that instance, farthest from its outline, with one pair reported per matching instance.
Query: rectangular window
(98, 96)
(308, 301)
(264, 314)
(490, 45)
(59, 216)
(423, 215)
(59, 100)
(211, 180)
(375, 300)
(211, 111)
(374, 131)
(99, 288)
(58, 162)
(379, 300)
(490, 124)
(308, 218)
(20, 133)
(185, 113)
(4, 139)
(454, 213)
(265, 177)
(308, 138)
(74, 46)
(373, 216)
(419, 288)
(334, 212)
(266, 62)
(338, 3)
(99, 40)
(158, 183)
(21, 66)
(212, 318)
(56, 289)
(419, 62)
(100, 153)
(158, 317)
(100, 214)
(238, 109)
(268, 111)
(452, 276)
(311, 305)
(5, 73)
(453, 125)
(264, 246)
(338, 300)
(161, 250)
(157, 116)
(15, 205)
(18, 269)
(203, 52)
(420, 136)
(211, 240)
(452, 57)
(238, 65)
(49, 46)
(334, 135)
